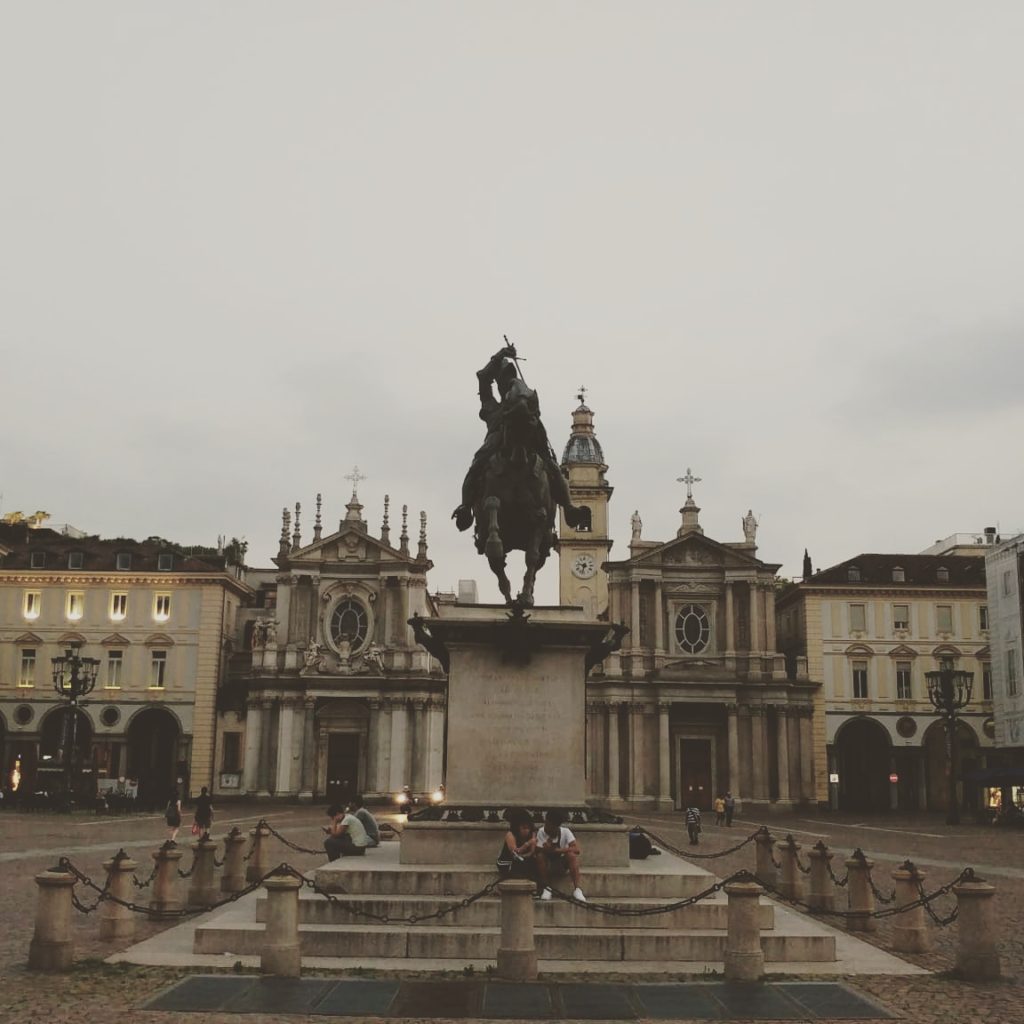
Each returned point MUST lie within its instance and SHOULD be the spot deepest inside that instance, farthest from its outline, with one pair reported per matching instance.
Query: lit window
(942, 574)
(162, 607)
(76, 605)
(124, 560)
(1011, 672)
(904, 689)
(898, 575)
(76, 560)
(158, 670)
(986, 681)
(165, 562)
(118, 607)
(860, 680)
(983, 617)
(115, 669)
(944, 618)
(33, 604)
(27, 674)
(857, 618)
(693, 629)
(901, 616)
(37, 560)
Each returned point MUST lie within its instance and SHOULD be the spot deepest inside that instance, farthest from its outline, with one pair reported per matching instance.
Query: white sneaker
(546, 894)
(577, 894)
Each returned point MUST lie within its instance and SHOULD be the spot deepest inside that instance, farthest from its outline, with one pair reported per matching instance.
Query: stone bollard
(765, 869)
(977, 958)
(233, 878)
(280, 952)
(517, 956)
(822, 894)
(257, 866)
(909, 933)
(202, 890)
(862, 899)
(165, 884)
(744, 958)
(791, 885)
(116, 921)
(51, 948)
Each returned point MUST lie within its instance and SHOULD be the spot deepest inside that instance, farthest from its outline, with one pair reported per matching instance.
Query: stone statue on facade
(373, 658)
(259, 633)
(314, 656)
(514, 482)
(636, 524)
(749, 527)
(270, 631)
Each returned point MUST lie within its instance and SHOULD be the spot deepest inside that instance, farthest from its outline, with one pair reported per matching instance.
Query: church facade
(697, 702)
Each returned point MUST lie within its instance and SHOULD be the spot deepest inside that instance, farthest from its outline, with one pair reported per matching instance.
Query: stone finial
(385, 529)
(421, 551)
(284, 545)
(808, 569)
(690, 510)
(318, 522)
(403, 538)
(297, 532)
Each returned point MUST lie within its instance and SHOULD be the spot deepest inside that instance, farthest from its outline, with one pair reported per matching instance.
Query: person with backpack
(203, 819)
(172, 815)
(693, 825)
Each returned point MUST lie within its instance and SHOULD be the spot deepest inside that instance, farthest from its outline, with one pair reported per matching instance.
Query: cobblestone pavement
(30, 843)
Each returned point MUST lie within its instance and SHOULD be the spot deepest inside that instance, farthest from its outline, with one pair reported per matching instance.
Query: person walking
(693, 825)
(172, 815)
(203, 819)
(719, 810)
(730, 808)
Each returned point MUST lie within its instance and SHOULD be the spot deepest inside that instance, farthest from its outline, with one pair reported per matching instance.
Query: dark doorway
(152, 755)
(862, 756)
(907, 761)
(342, 765)
(695, 773)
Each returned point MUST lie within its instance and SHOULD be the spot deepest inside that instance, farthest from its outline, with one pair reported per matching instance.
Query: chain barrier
(188, 874)
(791, 843)
(686, 854)
(858, 854)
(287, 842)
(840, 882)
(148, 882)
(613, 910)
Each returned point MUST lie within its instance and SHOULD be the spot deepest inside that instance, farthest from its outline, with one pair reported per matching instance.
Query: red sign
(894, 777)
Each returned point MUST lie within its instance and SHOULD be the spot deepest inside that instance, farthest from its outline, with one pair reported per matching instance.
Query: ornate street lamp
(73, 678)
(949, 690)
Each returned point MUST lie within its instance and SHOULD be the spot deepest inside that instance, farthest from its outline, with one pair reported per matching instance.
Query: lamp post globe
(949, 691)
(73, 678)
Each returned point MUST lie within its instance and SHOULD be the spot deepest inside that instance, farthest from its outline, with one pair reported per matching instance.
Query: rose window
(693, 630)
(348, 622)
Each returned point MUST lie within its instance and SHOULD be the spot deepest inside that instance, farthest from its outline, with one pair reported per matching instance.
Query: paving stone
(757, 1002)
(281, 995)
(594, 1001)
(206, 992)
(678, 1002)
(835, 1002)
(507, 999)
(358, 999)
(456, 999)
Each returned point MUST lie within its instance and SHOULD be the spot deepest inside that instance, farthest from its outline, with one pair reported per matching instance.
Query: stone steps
(486, 912)
(460, 943)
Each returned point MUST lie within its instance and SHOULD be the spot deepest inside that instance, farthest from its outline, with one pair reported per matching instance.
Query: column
(664, 755)
(730, 626)
(435, 743)
(308, 784)
(264, 772)
(782, 748)
(769, 617)
(403, 616)
(370, 783)
(285, 724)
(636, 751)
(387, 614)
(250, 765)
(806, 755)
(384, 748)
(418, 752)
(734, 786)
(758, 788)
(613, 751)
(399, 736)
(659, 619)
(591, 762)
(634, 610)
(755, 621)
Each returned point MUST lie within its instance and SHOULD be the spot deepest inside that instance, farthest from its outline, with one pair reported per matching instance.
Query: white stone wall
(1005, 620)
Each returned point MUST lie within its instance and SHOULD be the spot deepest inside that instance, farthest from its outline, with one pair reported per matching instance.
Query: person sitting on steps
(558, 854)
(346, 836)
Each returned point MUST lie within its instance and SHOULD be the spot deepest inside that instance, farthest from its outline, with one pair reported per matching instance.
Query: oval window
(693, 629)
(23, 714)
(349, 623)
(906, 727)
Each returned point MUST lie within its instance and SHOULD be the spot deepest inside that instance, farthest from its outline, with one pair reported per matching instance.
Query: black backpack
(639, 845)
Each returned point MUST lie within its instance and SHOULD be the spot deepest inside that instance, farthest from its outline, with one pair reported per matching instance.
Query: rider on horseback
(517, 411)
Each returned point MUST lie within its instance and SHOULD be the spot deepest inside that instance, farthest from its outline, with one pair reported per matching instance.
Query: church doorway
(342, 765)
(862, 756)
(152, 747)
(695, 772)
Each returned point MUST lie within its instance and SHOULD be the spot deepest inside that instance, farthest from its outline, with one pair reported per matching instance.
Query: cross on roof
(355, 476)
(582, 394)
(689, 480)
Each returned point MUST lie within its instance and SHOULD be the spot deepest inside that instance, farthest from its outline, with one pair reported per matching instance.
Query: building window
(349, 623)
(901, 616)
(165, 562)
(37, 560)
(860, 680)
(904, 688)
(853, 574)
(1011, 672)
(115, 669)
(1007, 582)
(124, 560)
(898, 575)
(158, 670)
(27, 674)
(76, 560)
(942, 574)
(586, 520)
(232, 752)
(944, 618)
(983, 618)
(986, 681)
(33, 604)
(693, 629)
(858, 620)
(75, 605)
(118, 607)
(162, 607)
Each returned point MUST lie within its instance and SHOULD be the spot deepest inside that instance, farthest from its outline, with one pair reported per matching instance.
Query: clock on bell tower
(581, 580)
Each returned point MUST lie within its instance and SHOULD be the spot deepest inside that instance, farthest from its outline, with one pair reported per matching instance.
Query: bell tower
(581, 580)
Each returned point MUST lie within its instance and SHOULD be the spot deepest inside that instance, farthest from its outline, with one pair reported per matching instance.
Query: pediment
(903, 651)
(696, 550)
(349, 544)
(28, 638)
(69, 639)
(985, 653)
(159, 640)
(115, 640)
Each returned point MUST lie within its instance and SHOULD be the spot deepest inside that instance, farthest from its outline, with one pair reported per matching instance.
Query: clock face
(584, 566)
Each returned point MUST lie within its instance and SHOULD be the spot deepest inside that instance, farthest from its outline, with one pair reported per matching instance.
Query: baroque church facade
(697, 701)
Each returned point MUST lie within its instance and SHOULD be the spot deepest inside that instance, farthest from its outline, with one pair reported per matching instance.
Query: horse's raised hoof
(463, 517)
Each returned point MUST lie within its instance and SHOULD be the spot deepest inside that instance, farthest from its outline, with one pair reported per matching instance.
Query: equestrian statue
(514, 482)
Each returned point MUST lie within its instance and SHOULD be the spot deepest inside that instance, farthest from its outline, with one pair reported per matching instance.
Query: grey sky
(247, 245)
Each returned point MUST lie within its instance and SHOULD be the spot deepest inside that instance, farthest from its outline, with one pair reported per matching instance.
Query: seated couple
(352, 830)
(540, 856)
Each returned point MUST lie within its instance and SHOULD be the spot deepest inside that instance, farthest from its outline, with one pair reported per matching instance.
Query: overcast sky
(245, 246)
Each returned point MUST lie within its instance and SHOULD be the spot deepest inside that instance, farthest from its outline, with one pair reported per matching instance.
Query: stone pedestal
(116, 921)
(977, 956)
(203, 891)
(862, 899)
(165, 885)
(517, 957)
(280, 952)
(790, 881)
(258, 864)
(51, 948)
(764, 846)
(822, 894)
(233, 877)
(744, 957)
(909, 932)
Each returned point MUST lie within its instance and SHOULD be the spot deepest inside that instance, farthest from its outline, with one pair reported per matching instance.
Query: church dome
(582, 445)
